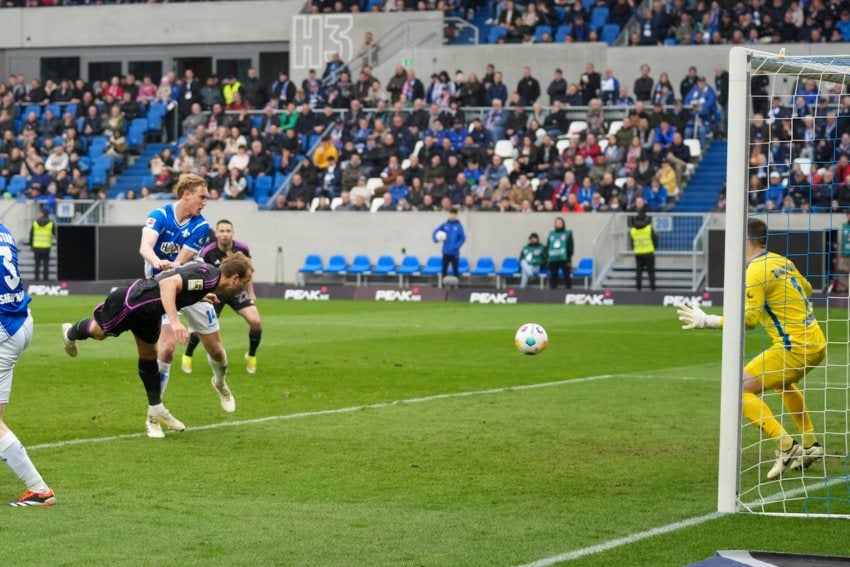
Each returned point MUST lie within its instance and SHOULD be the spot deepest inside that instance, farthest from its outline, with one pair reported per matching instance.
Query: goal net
(789, 166)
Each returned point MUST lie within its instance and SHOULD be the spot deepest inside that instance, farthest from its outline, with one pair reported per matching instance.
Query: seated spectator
(655, 196)
(57, 161)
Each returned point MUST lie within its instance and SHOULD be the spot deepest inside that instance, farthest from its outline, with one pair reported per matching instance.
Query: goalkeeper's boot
(186, 364)
(809, 456)
(228, 402)
(71, 348)
(251, 363)
(31, 498)
(784, 460)
(159, 417)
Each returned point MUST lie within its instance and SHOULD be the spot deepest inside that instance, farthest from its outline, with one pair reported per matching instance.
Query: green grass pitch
(505, 477)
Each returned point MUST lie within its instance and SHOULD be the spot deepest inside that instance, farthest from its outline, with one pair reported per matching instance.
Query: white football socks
(219, 369)
(164, 371)
(15, 456)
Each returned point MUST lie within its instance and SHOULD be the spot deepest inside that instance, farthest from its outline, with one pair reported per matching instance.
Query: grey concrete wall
(145, 24)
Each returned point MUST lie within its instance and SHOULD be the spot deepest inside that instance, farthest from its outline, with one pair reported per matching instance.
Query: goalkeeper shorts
(777, 366)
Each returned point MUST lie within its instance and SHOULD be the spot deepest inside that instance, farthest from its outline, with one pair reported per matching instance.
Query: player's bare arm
(168, 289)
(148, 253)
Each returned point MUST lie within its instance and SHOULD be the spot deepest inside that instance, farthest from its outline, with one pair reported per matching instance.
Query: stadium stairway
(26, 263)
(700, 195)
(134, 176)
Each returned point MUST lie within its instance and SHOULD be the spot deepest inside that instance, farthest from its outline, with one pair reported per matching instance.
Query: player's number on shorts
(211, 316)
(12, 279)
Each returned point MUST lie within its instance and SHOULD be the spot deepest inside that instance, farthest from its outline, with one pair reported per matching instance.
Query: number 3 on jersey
(12, 278)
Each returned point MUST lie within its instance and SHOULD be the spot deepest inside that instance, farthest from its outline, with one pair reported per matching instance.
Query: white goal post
(797, 162)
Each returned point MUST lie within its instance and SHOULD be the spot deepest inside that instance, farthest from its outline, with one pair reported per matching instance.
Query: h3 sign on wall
(316, 38)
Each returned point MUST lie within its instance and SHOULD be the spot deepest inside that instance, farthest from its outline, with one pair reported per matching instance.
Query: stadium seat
(805, 165)
(410, 266)
(510, 269)
(463, 266)
(598, 17)
(135, 138)
(433, 266)
(31, 108)
(505, 149)
(540, 30)
(314, 204)
(610, 33)
(615, 126)
(374, 183)
(562, 33)
(694, 145)
(312, 265)
(485, 267)
(336, 265)
(603, 144)
(576, 128)
(72, 108)
(2, 184)
(385, 266)
(335, 202)
(360, 267)
(496, 32)
(510, 165)
(262, 188)
(17, 185)
(376, 204)
(562, 145)
(584, 270)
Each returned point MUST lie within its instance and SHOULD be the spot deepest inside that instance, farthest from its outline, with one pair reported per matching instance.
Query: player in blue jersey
(15, 336)
(244, 303)
(174, 235)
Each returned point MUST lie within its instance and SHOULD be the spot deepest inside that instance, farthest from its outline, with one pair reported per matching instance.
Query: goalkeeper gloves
(695, 318)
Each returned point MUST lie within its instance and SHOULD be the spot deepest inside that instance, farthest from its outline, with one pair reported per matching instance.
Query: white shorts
(10, 350)
(201, 318)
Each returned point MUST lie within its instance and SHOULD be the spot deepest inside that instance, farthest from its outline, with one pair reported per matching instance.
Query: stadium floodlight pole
(733, 281)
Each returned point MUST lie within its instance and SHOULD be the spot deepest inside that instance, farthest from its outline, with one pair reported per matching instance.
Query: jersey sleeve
(199, 276)
(198, 238)
(755, 295)
(240, 246)
(155, 221)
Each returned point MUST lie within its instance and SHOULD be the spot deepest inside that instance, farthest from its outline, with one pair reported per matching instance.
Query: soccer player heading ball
(778, 300)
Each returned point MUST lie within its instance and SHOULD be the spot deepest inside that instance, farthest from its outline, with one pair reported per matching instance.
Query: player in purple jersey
(244, 303)
(173, 235)
(139, 307)
(15, 336)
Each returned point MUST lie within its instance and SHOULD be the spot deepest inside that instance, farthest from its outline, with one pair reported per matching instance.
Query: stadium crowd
(461, 141)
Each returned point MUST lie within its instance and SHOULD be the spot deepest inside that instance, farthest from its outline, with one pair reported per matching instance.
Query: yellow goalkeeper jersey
(777, 298)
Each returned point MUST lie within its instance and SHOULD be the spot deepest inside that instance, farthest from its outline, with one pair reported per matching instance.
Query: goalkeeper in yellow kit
(778, 300)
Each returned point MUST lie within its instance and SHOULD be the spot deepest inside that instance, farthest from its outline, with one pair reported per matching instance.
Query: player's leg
(201, 319)
(105, 315)
(157, 416)
(255, 334)
(194, 341)
(165, 352)
(765, 371)
(12, 452)
(795, 404)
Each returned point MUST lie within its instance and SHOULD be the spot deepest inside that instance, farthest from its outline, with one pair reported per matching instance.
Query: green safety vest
(533, 254)
(557, 248)
(42, 236)
(642, 240)
(845, 240)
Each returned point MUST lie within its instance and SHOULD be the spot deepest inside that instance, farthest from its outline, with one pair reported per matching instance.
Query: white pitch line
(690, 522)
(381, 405)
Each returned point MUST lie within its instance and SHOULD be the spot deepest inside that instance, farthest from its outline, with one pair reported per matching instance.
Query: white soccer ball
(441, 235)
(531, 338)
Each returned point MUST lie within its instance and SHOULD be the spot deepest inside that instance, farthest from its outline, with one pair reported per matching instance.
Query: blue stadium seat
(262, 188)
(55, 109)
(256, 121)
(610, 33)
(433, 267)
(70, 107)
(312, 265)
(485, 266)
(540, 30)
(135, 138)
(2, 184)
(462, 266)
(410, 266)
(139, 123)
(154, 122)
(31, 108)
(360, 266)
(496, 32)
(584, 270)
(670, 41)
(598, 17)
(336, 265)
(148, 181)
(562, 32)
(384, 267)
(17, 185)
(98, 177)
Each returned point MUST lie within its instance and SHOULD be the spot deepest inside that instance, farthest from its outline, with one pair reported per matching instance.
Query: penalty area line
(381, 405)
